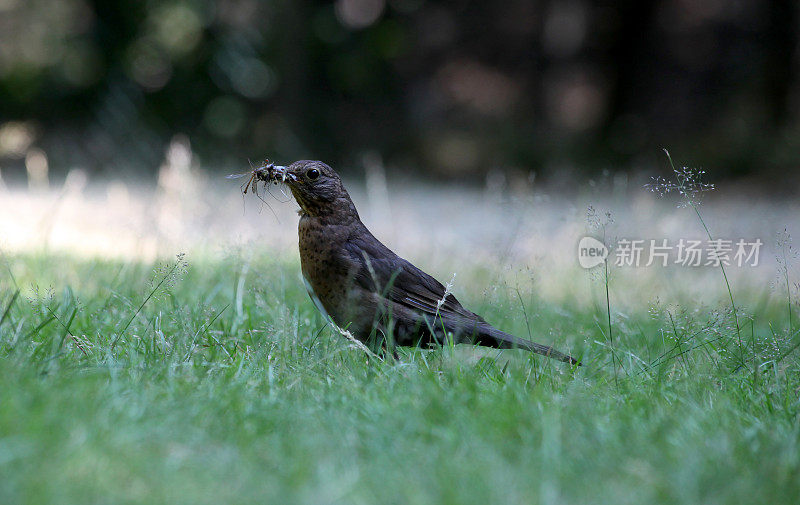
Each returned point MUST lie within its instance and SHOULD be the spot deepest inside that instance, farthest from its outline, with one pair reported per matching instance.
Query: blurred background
(499, 122)
(561, 90)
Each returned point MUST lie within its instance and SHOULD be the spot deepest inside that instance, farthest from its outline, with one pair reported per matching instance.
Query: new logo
(591, 252)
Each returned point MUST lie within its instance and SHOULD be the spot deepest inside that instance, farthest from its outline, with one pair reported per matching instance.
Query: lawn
(214, 380)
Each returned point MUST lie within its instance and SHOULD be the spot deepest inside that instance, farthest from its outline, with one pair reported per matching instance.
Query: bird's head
(317, 188)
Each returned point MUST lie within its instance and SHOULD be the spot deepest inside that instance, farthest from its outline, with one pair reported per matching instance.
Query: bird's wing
(384, 272)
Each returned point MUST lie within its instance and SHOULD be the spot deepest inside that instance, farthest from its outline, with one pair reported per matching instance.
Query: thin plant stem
(721, 266)
(788, 287)
(608, 315)
(147, 299)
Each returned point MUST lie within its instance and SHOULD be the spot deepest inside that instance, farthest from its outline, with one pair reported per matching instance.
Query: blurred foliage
(455, 88)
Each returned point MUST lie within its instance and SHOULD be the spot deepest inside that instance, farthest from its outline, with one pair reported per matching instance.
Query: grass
(216, 381)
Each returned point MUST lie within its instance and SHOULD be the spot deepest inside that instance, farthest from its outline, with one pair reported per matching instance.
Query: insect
(265, 173)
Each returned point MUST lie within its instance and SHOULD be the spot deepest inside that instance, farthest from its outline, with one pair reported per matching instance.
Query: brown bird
(366, 288)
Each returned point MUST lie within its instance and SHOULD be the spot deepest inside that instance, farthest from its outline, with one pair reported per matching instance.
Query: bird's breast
(324, 265)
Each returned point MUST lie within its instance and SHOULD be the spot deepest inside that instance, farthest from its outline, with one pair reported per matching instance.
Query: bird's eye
(312, 174)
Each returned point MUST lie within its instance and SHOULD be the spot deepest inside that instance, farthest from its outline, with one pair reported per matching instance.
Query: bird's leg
(382, 344)
(386, 350)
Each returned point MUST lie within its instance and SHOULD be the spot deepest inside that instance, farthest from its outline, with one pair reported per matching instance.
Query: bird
(367, 289)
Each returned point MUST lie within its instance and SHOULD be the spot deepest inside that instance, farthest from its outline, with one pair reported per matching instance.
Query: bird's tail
(491, 336)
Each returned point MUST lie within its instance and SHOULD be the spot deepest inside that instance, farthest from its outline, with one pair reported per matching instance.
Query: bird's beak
(282, 173)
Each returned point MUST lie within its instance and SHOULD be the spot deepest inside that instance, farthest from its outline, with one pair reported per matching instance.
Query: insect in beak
(282, 173)
(268, 173)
